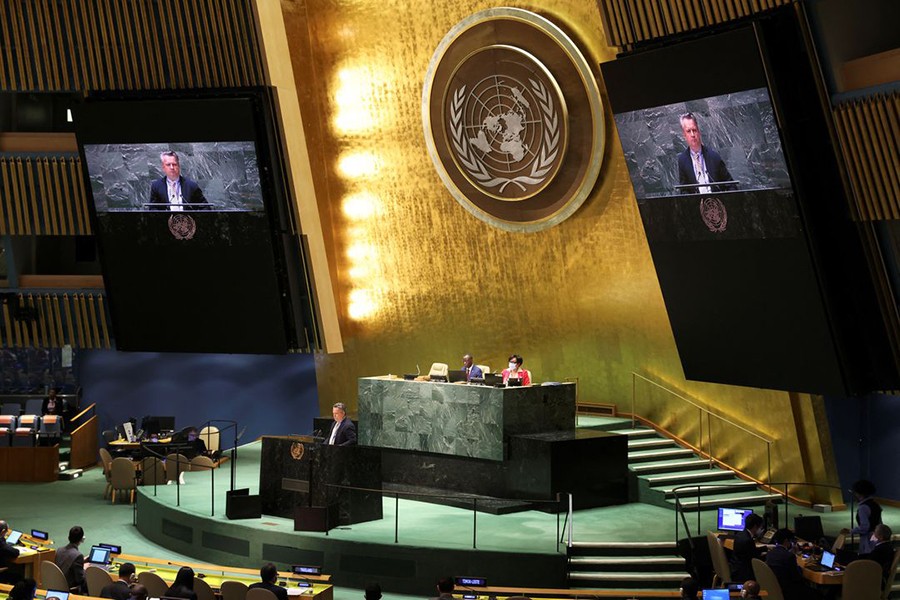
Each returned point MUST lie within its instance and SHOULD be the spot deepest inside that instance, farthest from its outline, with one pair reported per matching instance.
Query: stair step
(731, 500)
(636, 576)
(622, 549)
(684, 477)
(631, 560)
(656, 454)
(669, 466)
(636, 433)
(647, 443)
(706, 489)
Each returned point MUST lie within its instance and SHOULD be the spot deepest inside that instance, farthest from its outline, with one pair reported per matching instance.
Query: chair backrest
(109, 435)
(862, 581)
(105, 460)
(719, 560)
(260, 594)
(210, 436)
(31, 421)
(34, 406)
(484, 368)
(202, 589)
(891, 574)
(9, 421)
(439, 369)
(121, 473)
(96, 579)
(51, 425)
(156, 587)
(176, 463)
(153, 471)
(233, 590)
(766, 579)
(838, 542)
(202, 463)
(52, 577)
(11, 408)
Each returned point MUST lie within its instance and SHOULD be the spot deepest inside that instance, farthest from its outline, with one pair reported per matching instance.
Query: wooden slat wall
(869, 133)
(80, 320)
(628, 22)
(43, 196)
(68, 45)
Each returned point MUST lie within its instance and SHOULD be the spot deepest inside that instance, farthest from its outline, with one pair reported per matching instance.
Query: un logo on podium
(517, 144)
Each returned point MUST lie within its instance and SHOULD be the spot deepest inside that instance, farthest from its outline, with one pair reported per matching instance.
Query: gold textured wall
(420, 280)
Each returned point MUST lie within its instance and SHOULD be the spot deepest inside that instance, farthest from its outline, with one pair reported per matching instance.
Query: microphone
(418, 372)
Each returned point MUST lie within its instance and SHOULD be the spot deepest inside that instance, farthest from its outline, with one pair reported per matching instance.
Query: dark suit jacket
(8, 553)
(190, 192)
(475, 371)
(715, 168)
(117, 590)
(883, 554)
(279, 591)
(742, 555)
(784, 564)
(180, 591)
(346, 435)
(70, 561)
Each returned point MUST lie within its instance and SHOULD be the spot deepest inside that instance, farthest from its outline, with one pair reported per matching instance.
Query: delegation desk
(31, 559)
(823, 578)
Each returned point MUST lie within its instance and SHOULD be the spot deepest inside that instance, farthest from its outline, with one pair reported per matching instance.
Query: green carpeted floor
(56, 506)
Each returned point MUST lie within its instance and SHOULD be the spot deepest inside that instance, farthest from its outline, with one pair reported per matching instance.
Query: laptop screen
(98, 556)
(13, 537)
(56, 595)
(715, 595)
(828, 559)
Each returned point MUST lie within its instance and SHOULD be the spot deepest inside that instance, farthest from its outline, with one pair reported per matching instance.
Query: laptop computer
(513, 382)
(494, 379)
(13, 538)
(456, 375)
(99, 557)
(721, 594)
(826, 564)
(57, 595)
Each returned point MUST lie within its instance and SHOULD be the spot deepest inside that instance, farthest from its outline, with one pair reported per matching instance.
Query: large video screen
(706, 156)
(188, 218)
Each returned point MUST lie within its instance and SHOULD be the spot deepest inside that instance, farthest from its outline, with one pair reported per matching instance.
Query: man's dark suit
(742, 556)
(9, 553)
(883, 554)
(280, 592)
(190, 193)
(783, 563)
(70, 561)
(346, 434)
(715, 169)
(474, 371)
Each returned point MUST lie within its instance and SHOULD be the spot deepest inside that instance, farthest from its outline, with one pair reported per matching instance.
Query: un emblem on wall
(518, 145)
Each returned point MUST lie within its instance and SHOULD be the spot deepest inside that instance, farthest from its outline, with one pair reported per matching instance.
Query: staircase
(658, 465)
(625, 566)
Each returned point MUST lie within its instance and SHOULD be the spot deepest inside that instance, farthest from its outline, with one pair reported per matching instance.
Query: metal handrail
(703, 410)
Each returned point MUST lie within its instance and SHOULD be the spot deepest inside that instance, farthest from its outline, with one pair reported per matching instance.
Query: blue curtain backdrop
(267, 394)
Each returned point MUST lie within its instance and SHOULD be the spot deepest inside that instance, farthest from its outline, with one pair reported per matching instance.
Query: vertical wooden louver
(54, 320)
(76, 45)
(628, 22)
(869, 133)
(43, 196)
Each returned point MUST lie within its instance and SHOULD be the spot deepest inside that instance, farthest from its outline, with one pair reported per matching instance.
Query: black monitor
(153, 424)
(809, 528)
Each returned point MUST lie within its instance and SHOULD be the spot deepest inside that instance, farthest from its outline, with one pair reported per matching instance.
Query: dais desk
(474, 421)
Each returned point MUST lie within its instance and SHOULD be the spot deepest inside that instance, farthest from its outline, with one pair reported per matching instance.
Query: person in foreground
(515, 370)
(121, 588)
(689, 588)
(23, 590)
(268, 575)
(174, 190)
(138, 592)
(750, 591)
(444, 588)
(783, 562)
(343, 431)
(70, 561)
(373, 591)
(745, 549)
(699, 163)
(183, 586)
(470, 369)
(883, 552)
(9, 553)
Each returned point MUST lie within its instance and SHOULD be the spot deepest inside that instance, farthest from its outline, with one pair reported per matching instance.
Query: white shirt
(174, 191)
(700, 172)
(334, 431)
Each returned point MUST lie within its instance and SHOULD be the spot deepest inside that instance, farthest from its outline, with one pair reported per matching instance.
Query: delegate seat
(156, 587)
(202, 589)
(892, 573)
(259, 594)
(202, 463)
(23, 437)
(175, 465)
(720, 562)
(96, 579)
(11, 408)
(106, 463)
(32, 422)
(153, 471)
(862, 580)
(52, 578)
(484, 369)
(34, 406)
(51, 428)
(122, 477)
(233, 590)
(211, 437)
(439, 370)
(766, 579)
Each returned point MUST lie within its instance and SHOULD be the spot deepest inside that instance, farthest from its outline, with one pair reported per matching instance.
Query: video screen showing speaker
(739, 193)
(192, 222)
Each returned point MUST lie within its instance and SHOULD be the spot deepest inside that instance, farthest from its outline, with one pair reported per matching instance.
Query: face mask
(512, 366)
(192, 438)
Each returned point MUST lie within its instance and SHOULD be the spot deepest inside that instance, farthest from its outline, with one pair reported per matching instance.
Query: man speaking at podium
(699, 164)
(343, 431)
(173, 189)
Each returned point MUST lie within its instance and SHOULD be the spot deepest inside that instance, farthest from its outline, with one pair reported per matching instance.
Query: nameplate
(294, 485)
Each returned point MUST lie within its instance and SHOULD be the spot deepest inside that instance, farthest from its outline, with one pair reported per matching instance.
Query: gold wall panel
(420, 280)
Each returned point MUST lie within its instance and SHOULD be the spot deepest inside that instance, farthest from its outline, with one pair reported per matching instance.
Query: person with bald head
(750, 590)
